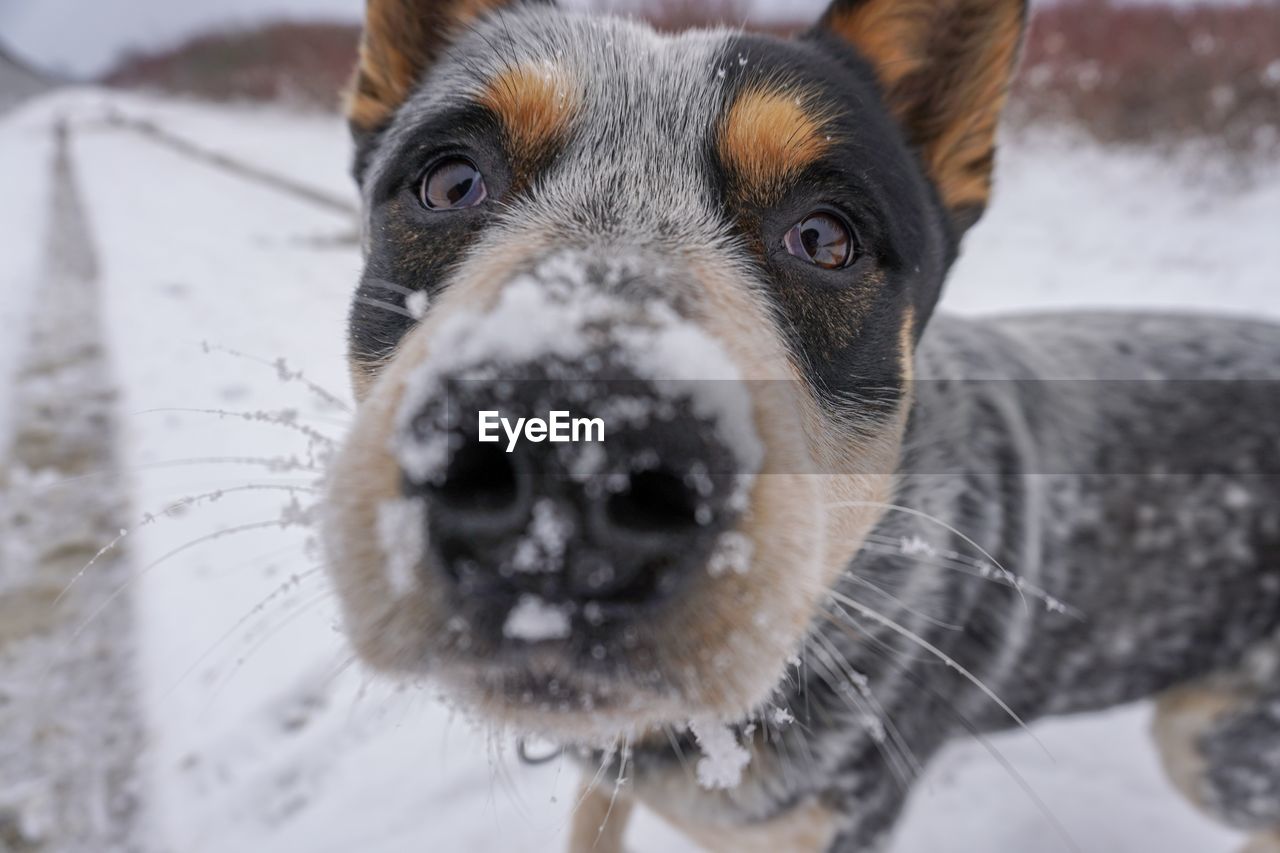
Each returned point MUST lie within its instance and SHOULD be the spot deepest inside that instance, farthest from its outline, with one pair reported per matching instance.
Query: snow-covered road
(262, 736)
(70, 727)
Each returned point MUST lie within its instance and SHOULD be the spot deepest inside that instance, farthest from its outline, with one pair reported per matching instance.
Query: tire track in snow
(242, 169)
(69, 731)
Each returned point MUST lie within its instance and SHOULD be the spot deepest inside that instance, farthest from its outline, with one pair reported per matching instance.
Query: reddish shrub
(1127, 73)
(674, 15)
(1137, 73)
(303, 64)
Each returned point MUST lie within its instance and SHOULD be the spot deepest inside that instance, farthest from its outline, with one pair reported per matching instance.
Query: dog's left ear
(402, 39)
(944, 68)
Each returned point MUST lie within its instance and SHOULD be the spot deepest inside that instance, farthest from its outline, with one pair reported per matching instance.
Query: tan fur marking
(401, 39)
(534, 104)
(908, 344)
(944, 66)
(960, 158)
(808, 828)
(600, 820)
(1182, 715)
(363, 375)
(1268, 843)
(768, 137)
(887, 34)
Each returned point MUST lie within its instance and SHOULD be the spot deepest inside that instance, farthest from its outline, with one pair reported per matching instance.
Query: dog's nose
(619, 518)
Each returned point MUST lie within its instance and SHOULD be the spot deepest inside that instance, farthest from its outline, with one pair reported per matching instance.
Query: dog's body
(928, 527)
(1160, 549)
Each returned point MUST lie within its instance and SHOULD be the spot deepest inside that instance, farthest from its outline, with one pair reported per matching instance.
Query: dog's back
(1131, 467)
(1118, 476)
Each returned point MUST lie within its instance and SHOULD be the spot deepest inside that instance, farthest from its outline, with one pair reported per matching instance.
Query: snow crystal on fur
(723, 758)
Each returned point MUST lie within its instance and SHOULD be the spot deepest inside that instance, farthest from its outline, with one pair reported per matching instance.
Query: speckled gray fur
(1242, 752)
(1106, 587)
(1162, 577)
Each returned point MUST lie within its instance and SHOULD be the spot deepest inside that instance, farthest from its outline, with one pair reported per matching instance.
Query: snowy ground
(263, 735)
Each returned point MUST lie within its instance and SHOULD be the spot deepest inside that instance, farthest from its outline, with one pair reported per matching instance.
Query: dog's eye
(453, 184)
(821, 239)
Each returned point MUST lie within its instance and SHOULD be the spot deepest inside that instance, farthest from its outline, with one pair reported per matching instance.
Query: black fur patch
(845, 326)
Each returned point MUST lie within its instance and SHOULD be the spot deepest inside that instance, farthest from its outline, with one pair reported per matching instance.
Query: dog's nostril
(653, 501)
(481, 478)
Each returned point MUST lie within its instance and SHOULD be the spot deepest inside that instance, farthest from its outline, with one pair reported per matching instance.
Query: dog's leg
(1220, 742)
(809, 828)
(600, 820)
(1269, 843)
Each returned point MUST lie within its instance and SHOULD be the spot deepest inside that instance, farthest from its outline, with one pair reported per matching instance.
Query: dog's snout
(618, 518)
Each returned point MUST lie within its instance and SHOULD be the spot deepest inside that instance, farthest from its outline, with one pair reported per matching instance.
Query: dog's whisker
(273, 464)
(967, 565)
(915, 678)
(804, 747)
(294, 583)
(977, 569)
(892, 507)
(284, 373)
(879, 644)
(808, 711)
(589, 788)
(362, 693)
(896, 627)
(307, 607)
(802, 743)
(863, 687)
(289, 418)
(493, 753)
(899, 603)
(169, 512)
(319, 446)
(676, 748)
(385, 306)
(839, 685)
(345, 662)
(499, 739)
(848, 686)
(392, 286)
(1000, 758)
(284, 522)
(617, 785)
(102, 552)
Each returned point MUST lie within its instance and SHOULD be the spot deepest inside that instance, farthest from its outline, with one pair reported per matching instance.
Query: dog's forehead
(640, 107)
(626, 75)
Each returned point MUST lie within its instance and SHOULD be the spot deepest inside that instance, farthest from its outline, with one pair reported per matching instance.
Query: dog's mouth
(552, 685)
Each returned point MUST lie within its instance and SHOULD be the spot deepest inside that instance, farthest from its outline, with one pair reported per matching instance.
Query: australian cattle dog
(664, 456)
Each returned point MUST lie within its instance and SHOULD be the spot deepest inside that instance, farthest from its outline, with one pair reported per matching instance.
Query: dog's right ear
(944, 68)
(402, 40)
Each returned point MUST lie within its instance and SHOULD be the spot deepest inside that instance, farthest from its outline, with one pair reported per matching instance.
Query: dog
(826, 530)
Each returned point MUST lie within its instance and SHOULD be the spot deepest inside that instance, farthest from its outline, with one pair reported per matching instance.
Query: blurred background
(179, 251)
(1132, 72)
